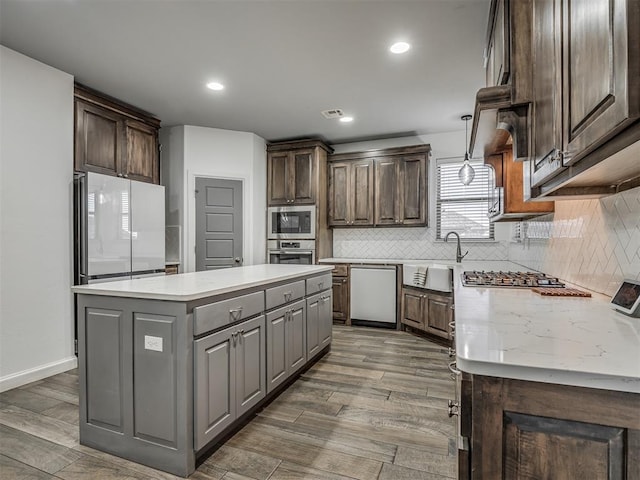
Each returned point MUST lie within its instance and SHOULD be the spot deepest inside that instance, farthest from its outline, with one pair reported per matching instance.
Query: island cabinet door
(215, 385)
(286, 342)
(313, 325)
(297, 337)
(325, 318)
(250, 363)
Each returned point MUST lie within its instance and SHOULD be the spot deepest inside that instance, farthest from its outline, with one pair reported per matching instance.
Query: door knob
(237, 259)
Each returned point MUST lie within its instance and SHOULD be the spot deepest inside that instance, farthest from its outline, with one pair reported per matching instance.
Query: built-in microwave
(297, 222)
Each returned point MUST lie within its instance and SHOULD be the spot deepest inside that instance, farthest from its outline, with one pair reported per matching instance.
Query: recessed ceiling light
(215, 86)
(399, 47)
(346, 119)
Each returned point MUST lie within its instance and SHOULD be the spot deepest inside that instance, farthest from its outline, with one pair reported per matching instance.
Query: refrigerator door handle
(80, 228)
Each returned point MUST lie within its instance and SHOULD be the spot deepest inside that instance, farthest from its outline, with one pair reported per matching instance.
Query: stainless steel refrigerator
(119, 228)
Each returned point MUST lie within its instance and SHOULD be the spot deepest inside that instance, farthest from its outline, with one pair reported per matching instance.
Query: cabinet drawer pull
(454, 408)
(287, 296)
(453, 369)
(320, 285)
(452, 352)
(235, 313)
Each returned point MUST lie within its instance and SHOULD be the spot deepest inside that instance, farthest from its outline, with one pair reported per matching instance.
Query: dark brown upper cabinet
(351, 193)
(293, 171)
(291, 178)
(571, 101)
(497, 53)
(401, 190)
(113, 138)
(379, 187)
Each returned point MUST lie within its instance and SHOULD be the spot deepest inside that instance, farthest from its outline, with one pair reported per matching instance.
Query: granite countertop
(516, 333)
(195, 285)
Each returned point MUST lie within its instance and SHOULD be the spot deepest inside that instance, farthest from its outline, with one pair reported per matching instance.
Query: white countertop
(192, 286)
(386, 261)
(516, 333)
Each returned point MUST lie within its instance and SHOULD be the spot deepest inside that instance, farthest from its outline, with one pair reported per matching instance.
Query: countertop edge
(104, 290)
(543, 375)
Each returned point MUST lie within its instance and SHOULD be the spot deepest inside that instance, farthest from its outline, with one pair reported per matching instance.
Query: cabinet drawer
(318, 284)
(277, 296)
(218, 314)
(340, 270)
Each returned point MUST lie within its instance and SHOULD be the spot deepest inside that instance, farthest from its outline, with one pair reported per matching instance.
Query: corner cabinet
(113, 138)
(428, 312)
(379, 187)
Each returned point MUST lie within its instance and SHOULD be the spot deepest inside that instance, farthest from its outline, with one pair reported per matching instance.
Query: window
(462, 208)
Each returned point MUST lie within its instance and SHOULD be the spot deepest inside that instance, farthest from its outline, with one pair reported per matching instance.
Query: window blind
(462, 208)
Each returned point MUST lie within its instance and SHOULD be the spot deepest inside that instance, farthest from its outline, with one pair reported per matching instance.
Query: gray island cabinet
(169, 366)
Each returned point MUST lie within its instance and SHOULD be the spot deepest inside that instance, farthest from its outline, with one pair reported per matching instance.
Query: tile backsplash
(591, 243)
(405, 243)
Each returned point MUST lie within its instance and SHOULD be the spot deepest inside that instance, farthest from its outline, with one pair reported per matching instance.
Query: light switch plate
(153, 343)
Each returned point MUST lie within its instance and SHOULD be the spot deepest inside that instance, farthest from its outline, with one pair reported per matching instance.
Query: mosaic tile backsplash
(591, 243)
(405, 243)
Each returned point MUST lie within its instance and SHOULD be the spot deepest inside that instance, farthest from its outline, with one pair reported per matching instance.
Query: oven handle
(293, 252)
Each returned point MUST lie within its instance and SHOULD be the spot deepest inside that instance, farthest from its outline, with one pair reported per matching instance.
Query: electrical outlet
(153, 343)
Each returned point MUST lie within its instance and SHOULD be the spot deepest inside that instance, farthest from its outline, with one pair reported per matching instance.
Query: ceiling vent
(333, 113)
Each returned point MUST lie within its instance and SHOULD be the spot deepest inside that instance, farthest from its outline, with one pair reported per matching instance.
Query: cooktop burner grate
(509, 279)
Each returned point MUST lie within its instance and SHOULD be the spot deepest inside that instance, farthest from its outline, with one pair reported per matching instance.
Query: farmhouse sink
(432, 276)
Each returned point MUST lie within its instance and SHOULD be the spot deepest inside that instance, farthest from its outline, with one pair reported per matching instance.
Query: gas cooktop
(509, 279)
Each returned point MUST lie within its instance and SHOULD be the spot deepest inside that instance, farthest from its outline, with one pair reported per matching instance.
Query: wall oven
(302, 252)
(297, 222)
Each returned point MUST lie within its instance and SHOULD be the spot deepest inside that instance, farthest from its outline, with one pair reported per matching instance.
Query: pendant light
(466, 173)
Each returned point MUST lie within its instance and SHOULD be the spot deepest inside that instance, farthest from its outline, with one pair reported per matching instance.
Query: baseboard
(38, 373)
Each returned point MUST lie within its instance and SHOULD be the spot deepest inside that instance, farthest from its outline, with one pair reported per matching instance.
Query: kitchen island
(171, 365)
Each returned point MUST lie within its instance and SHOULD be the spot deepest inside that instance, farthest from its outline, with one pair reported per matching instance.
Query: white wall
(415, 242)
(36, 185)
(192, 152)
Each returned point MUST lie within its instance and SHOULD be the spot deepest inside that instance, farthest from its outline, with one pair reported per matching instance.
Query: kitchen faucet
(459, 255)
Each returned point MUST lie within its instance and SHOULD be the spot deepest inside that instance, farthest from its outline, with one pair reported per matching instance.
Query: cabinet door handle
(454, 408)
(452, 352)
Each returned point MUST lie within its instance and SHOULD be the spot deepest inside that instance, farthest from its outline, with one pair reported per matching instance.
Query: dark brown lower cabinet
(531, 430)
(340, 287)
(428, 311)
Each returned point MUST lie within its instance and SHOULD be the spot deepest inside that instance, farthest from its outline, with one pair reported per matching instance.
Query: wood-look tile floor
(375, 407)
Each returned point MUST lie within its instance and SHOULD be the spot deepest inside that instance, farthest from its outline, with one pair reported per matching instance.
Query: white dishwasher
(373, 295)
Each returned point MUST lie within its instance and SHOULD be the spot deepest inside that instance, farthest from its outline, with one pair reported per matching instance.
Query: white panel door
(147, 226)
(108, 237)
